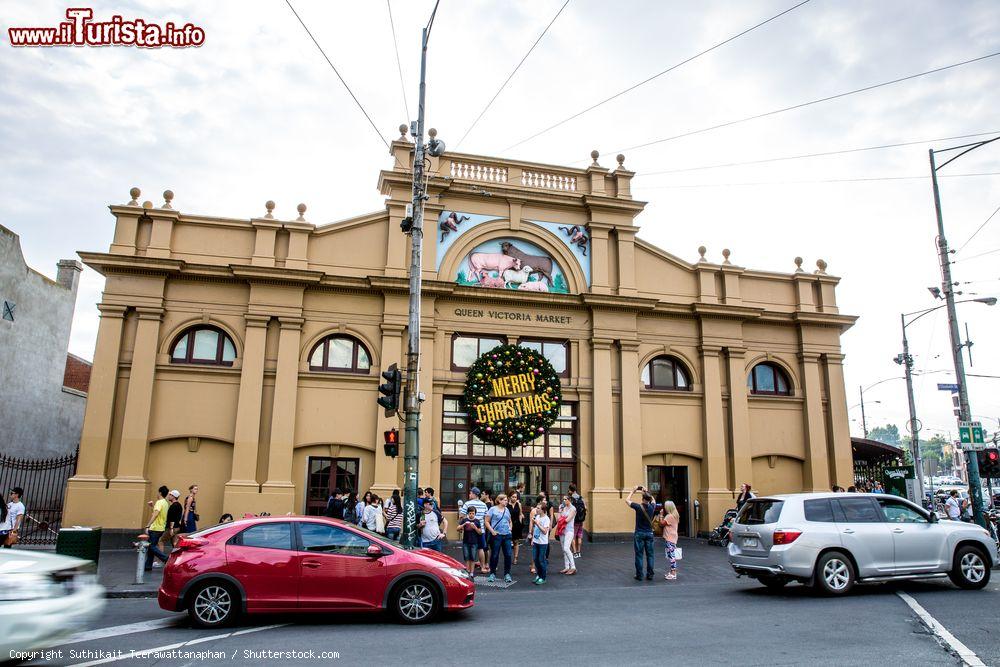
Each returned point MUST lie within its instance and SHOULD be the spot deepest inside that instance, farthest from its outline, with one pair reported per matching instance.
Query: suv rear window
(760, 511)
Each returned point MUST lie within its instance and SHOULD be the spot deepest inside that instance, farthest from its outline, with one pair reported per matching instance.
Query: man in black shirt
(642, 540)
(335, 505)
(175, 515)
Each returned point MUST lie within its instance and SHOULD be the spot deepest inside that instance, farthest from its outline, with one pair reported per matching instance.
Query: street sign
(971, 436)
(953, 388)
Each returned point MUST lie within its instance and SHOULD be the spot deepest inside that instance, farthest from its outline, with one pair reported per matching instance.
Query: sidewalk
(602, 564)
(116, 571)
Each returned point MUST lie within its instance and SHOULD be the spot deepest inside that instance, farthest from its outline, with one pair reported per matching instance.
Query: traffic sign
(953, 388)
(971, 435)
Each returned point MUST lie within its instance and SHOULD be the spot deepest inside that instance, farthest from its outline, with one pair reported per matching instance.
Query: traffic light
(989, 463)
(390, 390)
(391, 443)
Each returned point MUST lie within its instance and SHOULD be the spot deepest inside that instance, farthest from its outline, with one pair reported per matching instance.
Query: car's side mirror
(374, 551)
(933, 518)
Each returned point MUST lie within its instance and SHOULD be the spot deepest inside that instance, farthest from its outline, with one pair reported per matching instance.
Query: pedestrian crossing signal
(391, 443)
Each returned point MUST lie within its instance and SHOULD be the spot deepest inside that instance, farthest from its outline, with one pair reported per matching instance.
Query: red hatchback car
(306, 563)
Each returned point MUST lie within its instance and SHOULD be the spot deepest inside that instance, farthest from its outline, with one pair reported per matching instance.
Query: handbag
(678, 553)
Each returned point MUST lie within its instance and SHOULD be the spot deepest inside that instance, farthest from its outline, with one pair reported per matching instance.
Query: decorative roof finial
(402, 132)
(725, 256)
(821, 267)
(168, 196)
(594, 154)
(621, 160)
(269, 205)
(798, 265)
(147, 204)
(134, 193)
(701, 251)
(301, 208)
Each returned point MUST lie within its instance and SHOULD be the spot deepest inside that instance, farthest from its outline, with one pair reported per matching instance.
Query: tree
(888, 434)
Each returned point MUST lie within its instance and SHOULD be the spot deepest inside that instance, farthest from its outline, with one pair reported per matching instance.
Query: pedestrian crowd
(169, 519)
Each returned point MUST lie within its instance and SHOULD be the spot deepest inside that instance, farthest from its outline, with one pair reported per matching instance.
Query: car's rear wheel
(415, 601)
(834, 574)
(970, 569)
(772, 582)
(213, 604)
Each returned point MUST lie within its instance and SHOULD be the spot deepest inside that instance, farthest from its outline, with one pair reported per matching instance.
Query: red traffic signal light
(989, 463)
(391, 443)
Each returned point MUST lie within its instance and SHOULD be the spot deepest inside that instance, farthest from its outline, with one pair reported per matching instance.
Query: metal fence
(44, 484)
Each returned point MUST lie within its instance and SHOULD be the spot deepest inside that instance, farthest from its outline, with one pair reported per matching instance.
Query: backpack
(349, 514)
(581, 508)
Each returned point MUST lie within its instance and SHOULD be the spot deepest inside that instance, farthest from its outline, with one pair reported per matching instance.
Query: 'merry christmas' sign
(512, 395)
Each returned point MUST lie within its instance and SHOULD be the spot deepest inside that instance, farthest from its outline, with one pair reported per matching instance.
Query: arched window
(204, 345)
(340, 353)
(769, 379)
(666, 373)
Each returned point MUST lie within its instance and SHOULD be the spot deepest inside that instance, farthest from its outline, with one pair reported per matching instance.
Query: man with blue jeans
(498, 524)
(642, 539)
(432, 529)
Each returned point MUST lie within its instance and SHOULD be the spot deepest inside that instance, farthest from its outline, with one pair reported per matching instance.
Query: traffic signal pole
(411, 444)
(965, 413)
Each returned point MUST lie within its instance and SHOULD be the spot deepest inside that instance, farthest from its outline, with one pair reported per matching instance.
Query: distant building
(42, 389)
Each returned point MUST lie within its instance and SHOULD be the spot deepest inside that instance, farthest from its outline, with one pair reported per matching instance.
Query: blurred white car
(44, 598)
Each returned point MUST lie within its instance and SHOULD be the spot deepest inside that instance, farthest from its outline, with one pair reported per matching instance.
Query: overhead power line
(811, 155)
(655, 76)
(399, 65)
(979, 229)
(823, 180)
(982, 254)
(330, 63)
(804, 104)
(511, 75)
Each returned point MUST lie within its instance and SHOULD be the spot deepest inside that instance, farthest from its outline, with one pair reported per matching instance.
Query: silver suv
(833, 540)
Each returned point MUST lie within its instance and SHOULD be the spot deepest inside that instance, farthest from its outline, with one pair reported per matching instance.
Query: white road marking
(170, 647)
(116, 630)
(966, 654)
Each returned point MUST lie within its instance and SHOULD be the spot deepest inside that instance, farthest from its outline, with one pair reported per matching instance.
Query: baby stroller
(720, 536)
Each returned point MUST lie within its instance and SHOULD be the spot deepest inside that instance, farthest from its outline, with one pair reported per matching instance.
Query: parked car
(307, 564)
(833, 540)
(44, 598)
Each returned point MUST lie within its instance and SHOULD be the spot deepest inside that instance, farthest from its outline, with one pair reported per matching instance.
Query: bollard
(140, 565)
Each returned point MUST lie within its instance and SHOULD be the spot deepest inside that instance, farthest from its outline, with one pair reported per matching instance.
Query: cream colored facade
(245, 433)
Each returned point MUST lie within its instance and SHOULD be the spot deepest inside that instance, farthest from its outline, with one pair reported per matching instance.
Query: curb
(138, 595)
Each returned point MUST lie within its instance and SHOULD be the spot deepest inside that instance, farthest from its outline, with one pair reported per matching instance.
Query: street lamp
(972, 463)
(906, 361)
(864, 423)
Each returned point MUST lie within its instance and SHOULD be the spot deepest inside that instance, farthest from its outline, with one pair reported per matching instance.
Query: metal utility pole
(918, 462)
(947, 286)
(411, 451)
(864, 422)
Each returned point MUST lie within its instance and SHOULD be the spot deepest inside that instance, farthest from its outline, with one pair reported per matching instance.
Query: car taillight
(187, 543)
(786, 536)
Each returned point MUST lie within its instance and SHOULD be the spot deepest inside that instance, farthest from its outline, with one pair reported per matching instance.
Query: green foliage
(462, 280)
(888, 434)
(559, 284)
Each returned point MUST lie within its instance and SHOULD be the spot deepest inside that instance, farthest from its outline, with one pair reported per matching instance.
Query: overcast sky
(257, 114)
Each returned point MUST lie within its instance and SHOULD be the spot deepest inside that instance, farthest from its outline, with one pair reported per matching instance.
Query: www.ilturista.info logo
(81, 30)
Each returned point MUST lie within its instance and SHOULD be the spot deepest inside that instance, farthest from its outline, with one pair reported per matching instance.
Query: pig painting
(491, 261)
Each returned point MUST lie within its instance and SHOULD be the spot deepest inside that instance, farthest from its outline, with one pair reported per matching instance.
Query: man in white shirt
(953, 506)
(432, 530)
(15, 512)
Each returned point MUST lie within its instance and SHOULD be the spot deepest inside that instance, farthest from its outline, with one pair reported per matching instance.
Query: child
(471, 529)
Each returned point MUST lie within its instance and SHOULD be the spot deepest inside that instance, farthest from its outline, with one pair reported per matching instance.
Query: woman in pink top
(670, 518)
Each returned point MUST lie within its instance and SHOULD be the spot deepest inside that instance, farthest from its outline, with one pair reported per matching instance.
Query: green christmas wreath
(512, 396)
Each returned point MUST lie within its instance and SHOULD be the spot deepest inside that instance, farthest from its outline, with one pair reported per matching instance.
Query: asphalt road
(606, 617)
